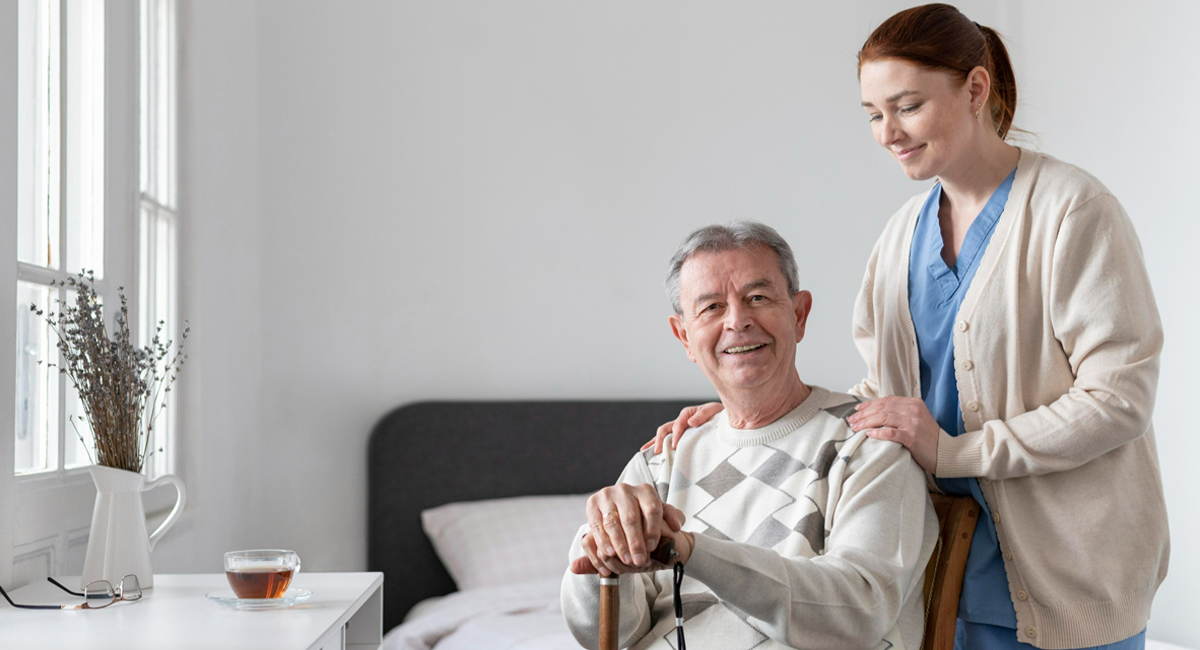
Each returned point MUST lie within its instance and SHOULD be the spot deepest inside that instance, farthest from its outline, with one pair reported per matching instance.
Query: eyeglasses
(97, 594)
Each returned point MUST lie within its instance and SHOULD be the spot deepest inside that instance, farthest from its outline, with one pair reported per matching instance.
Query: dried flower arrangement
(123, 388)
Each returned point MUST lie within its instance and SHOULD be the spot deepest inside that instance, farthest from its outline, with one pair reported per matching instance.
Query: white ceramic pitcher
(118, 544)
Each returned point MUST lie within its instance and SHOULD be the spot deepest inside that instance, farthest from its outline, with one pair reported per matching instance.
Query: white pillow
(503, 541)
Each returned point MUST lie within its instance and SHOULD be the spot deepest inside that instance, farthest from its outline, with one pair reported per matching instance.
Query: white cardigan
(1056, 350)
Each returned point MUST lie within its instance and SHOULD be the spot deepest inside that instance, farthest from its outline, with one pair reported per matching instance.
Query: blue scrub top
(935, 292)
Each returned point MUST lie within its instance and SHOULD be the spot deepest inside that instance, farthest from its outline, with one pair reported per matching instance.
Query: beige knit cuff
(960, 456)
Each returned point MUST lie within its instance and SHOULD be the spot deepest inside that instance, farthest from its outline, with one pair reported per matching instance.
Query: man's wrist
(690, 546)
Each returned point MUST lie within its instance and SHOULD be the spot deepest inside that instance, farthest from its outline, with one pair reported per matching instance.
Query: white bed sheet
(524, 616)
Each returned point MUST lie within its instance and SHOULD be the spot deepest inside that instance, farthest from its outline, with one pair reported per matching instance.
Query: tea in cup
(261, 573)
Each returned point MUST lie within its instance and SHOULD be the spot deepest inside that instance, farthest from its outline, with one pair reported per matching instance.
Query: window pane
(146, 288)
(164, 428)
(77, 440)
(38, 133)
(157, 165)
(77, 431)
(162, 273)
(171, 111)
(164, 104)
(37, 385)
(157, 307)
(158, 181)
(85, 136)
(145, 115)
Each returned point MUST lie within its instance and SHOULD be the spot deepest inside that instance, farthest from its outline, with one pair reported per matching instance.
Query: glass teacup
(261, 573)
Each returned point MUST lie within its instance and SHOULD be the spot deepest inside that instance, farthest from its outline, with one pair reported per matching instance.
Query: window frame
(118, 231)
(44, 517)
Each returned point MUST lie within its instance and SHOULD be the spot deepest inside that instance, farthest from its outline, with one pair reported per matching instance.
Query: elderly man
(793, 529)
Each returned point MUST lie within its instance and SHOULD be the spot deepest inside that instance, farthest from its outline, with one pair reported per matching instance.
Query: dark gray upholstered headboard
(431, 453)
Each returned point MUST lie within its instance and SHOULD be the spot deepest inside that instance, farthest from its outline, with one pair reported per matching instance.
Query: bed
(507, 467)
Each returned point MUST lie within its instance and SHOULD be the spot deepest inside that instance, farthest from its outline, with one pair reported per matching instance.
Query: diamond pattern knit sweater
(808, 535)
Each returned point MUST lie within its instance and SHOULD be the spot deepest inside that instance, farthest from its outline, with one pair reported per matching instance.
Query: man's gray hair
(738, 234)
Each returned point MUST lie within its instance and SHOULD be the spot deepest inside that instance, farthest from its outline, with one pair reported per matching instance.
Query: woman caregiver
(1012, 345)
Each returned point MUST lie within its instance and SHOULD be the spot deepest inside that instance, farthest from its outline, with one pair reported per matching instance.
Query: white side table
(344, 612)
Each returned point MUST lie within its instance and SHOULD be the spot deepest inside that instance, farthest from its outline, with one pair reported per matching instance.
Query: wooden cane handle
(610, 612)
(665, 553)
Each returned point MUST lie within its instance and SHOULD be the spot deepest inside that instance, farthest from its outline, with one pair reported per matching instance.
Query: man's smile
(743, 349)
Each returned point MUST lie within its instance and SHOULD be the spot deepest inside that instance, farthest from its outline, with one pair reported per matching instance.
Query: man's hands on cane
(626, 523)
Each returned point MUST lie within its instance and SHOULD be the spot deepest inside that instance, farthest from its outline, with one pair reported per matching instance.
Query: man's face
(739, 323)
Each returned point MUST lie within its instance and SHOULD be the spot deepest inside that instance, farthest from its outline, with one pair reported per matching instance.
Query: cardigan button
(968, 365)
(972, 406)
(1008, 555)
(985, 480)
(963, 326)
(995, 517)
(1031, 632)
(1022, 595)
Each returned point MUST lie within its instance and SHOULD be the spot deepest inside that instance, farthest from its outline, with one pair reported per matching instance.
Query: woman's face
(924, 117)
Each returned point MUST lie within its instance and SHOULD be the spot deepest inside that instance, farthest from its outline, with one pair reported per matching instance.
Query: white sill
(51, 479)
(158, 502)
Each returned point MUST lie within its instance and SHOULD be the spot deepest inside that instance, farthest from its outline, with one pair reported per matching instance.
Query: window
(60, 213)
(158, 212)
(74, 181)
(63, 226)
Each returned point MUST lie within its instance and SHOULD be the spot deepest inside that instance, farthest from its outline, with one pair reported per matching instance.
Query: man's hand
(626, 523)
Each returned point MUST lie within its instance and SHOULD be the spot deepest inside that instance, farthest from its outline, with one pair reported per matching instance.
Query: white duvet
(524, 616)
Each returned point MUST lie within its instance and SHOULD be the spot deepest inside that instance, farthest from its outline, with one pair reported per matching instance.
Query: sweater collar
(785, 425)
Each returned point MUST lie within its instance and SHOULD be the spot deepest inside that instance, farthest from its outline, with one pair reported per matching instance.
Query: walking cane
(610, 612)
(610, 599)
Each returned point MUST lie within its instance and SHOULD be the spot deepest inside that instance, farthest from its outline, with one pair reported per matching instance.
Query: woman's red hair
(940, 37)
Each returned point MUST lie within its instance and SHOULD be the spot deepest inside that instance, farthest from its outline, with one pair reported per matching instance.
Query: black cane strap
(665, 554)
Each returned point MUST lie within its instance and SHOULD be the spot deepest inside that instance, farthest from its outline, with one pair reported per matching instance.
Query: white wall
(390, 202)
(221, 411)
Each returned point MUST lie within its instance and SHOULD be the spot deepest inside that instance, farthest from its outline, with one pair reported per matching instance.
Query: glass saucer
(227, 598)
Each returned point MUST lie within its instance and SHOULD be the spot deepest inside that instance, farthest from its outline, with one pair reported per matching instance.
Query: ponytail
(1004, 82)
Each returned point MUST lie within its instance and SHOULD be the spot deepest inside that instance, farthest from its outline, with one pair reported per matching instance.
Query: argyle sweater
(808, 535)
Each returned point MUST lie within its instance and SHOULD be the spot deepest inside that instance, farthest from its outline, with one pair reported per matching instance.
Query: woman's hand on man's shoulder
(690, 417)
